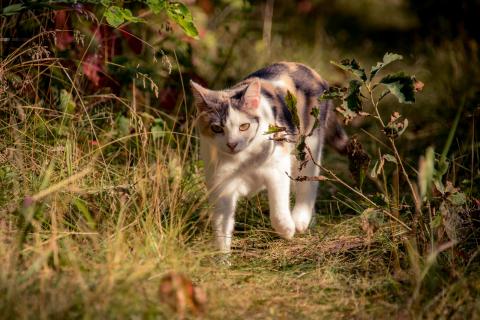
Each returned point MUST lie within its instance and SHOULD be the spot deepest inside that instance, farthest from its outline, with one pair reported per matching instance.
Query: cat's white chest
(247, 175)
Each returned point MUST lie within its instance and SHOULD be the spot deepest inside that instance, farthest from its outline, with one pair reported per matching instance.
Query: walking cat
(240, 159)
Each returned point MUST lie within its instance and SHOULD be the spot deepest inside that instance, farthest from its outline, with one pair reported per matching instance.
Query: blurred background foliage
(153, 59)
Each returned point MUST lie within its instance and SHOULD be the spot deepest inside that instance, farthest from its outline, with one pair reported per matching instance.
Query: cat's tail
(335, 135)
(337, 138)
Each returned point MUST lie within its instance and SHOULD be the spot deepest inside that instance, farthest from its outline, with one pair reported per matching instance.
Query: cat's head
(230, 118)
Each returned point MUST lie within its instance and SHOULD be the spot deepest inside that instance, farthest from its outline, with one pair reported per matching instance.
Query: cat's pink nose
(232, 145)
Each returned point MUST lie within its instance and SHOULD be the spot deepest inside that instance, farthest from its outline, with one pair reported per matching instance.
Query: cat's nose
(232, 145)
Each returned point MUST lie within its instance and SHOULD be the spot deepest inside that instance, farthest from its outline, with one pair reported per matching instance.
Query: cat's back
(302, 81)
(293, 76)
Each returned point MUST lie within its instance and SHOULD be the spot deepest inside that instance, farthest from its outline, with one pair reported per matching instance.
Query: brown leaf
(358, 159)
(182, 295)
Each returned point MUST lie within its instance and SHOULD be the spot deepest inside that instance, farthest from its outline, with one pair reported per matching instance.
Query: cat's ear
(251, 98)
(200, 96)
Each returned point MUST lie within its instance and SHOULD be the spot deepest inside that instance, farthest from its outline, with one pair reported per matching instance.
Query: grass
(98, 245)
(101, 196)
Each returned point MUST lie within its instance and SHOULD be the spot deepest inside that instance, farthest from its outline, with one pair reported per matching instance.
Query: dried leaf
(390, 158)
(395, 128)
(359, 160)
(311, 178)
(181, 294)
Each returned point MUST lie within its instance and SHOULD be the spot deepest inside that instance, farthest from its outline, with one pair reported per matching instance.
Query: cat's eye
(216, 129)
(244, 126)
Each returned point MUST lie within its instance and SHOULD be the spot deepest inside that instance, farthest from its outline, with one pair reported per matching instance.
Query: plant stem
(375, 105)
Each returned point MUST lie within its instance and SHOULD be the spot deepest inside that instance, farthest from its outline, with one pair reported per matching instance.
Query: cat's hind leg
(306, 191)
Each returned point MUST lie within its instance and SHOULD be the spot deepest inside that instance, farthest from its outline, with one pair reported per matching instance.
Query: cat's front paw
(224, 260)
(302, 220)
(285, 229)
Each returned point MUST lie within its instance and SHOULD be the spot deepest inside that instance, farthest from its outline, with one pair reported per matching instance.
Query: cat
(240, 159)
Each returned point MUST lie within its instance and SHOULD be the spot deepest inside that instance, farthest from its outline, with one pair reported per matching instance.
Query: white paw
(285, 228)
(302, 220)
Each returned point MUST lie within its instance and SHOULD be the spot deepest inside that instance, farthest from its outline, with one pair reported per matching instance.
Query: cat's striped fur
(240, 159)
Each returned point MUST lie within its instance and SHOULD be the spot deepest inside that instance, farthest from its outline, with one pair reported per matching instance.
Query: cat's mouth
(233, 151)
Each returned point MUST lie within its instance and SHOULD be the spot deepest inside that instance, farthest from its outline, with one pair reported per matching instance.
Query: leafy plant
(115, 14)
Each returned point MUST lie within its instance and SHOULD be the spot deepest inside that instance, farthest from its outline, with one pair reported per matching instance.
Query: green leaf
(387, 59)
(351, 66)
(106, 3)
(291, 102)
(400, 85)
(157, 132)
(12, 9)
(315, 112)
(352, 98)
(157, 6)
(274, 129)
(457, 198)
(67, 104)
(123, 125)
(127, 15)
(179, 13)
(114, 16)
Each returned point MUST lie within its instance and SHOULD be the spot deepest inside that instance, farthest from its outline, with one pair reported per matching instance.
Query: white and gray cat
(241, 160)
